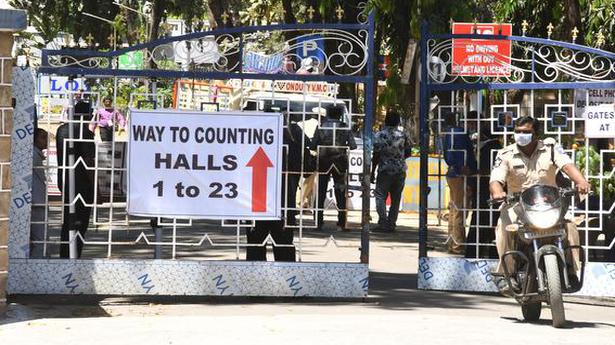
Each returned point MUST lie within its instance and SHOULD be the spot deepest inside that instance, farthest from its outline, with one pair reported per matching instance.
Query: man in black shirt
(331, 141)
(283, 250)
(84, 148)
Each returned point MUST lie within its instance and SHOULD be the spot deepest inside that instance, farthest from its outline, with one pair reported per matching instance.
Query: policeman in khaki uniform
(521, 165)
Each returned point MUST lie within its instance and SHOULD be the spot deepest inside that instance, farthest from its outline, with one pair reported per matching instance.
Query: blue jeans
(393, 185)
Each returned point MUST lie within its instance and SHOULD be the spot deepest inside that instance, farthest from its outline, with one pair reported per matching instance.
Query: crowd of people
(325, 155)
(309, 163)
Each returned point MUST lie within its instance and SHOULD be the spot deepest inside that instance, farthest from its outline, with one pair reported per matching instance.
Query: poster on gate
(481, 57)
(219, 165)
(354, 198)
(600, 121)
(586, 98)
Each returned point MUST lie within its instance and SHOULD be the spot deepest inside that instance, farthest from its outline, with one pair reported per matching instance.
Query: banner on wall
(205, 165)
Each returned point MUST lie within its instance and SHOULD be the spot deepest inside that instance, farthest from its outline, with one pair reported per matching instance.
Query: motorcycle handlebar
(566, 192)
(508, 199)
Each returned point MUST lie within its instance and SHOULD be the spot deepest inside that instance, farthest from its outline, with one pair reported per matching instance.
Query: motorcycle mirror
(512, 227)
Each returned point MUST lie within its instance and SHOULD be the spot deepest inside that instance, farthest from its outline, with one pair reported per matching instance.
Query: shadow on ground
(399, 292)
(30, 308)
(569, 323)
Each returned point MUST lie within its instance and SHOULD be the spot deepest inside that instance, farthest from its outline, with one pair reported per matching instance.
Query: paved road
(401, 316)
(396, 313)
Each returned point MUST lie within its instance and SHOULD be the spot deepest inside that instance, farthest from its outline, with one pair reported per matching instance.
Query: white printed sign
(222, 165)
(600, 121)
(592, 97)
(60, 85)
(354, 199)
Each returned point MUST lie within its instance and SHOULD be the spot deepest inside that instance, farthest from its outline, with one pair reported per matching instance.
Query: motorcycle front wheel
(531, 310)
(555, 290)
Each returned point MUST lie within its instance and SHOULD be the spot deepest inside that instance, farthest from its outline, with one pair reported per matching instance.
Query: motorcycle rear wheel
(555, 290)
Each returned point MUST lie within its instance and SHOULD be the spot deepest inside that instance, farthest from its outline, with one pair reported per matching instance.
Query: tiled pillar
(11, 21)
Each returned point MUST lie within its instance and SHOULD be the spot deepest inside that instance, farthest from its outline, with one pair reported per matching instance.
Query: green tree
(590, 17)
(51, 17)
(599, 18)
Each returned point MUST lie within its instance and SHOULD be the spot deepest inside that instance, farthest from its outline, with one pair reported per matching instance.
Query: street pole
(424, 142)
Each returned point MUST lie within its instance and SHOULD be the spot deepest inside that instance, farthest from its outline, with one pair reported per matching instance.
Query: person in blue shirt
(459, 155)
(483, 220)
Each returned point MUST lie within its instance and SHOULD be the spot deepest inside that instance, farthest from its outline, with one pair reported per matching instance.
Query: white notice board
(600, 121)
(220, 165)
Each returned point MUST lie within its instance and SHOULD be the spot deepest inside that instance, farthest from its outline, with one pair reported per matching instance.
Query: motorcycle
(541, 255)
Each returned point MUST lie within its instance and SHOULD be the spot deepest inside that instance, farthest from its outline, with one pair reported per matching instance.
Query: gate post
(10, 21)
(370, 107)
(424, 142)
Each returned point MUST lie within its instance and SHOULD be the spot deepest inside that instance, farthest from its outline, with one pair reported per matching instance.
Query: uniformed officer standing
(522, 165)
(458, 153)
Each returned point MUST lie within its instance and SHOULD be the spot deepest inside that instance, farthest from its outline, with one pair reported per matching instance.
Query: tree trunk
(402, 19)
(573, 19)
(349, 90)
(217, 9)
(157, 11)
(315, 4)
(289, 15)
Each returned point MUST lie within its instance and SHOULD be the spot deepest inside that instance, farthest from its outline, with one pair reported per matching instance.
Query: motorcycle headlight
(544, 219)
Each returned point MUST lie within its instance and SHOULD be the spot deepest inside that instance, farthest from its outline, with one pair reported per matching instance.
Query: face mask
(523, 139)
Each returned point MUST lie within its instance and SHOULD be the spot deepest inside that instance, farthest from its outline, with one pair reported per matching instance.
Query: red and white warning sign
(205, 165)
(481, 57)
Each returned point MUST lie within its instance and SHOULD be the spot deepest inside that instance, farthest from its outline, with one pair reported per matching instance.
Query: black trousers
(280, 235)
(106, 133)
(337, 170)
(389, 185)
(79, 221)
(291, 198)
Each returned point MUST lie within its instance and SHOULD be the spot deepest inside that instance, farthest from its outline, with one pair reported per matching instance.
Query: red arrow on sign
(259, 163)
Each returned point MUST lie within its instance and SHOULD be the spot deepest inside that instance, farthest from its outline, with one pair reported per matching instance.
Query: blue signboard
(311, 46)
(262, 63)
